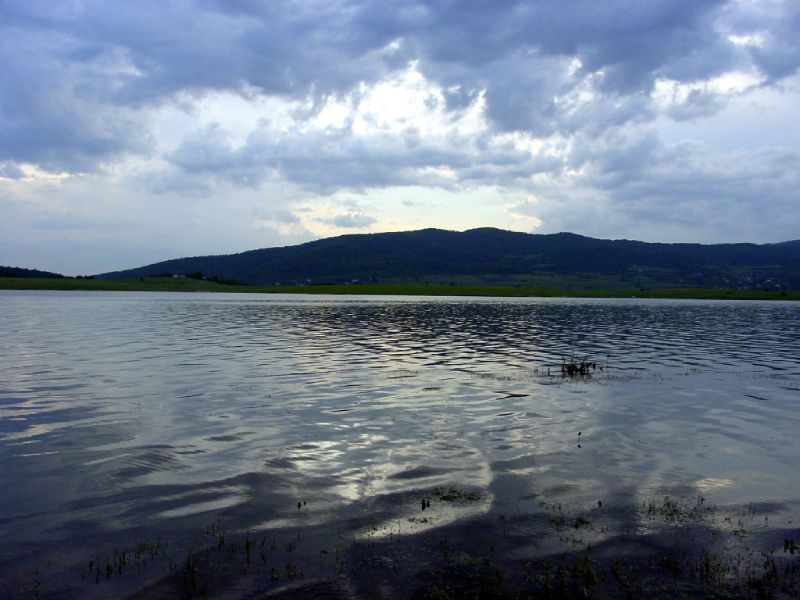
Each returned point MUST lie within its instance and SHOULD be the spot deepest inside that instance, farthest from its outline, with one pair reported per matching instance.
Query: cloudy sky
(132, 132)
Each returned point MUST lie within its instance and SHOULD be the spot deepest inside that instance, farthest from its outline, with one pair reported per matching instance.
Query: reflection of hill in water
(634, 335)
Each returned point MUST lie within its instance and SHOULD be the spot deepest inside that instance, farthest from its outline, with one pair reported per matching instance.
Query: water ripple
(162, 409)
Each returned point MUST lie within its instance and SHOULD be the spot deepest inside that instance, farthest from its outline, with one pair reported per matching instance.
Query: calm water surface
(128, 417)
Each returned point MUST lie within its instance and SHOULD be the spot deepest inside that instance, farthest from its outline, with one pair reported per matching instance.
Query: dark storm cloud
(519, 52)
(79, 76)
(53, 110)
(777, 27)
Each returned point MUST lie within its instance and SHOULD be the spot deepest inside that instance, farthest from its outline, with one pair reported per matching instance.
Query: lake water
(345, 441)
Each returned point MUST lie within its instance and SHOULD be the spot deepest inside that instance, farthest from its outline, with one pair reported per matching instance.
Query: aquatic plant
(574, 367)
(694, 548)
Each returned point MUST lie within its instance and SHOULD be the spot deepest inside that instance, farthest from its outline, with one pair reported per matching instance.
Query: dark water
(127, 418)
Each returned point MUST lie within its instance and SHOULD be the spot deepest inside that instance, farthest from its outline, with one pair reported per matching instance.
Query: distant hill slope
(494, 255)
(20, 272)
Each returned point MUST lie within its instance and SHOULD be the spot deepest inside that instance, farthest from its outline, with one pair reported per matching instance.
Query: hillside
(28, 273)
(494, 256)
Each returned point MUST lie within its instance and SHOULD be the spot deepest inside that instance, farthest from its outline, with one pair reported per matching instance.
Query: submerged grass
(690, 549)
(185, 284)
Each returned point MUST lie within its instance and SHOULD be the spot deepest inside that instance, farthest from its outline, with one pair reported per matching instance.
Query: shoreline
(672, 545)
(185, 284)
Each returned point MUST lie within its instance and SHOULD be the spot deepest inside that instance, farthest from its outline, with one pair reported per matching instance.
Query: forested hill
(493, 256)
(20, 272)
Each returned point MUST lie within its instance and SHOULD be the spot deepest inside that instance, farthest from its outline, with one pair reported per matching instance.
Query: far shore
(186, 284)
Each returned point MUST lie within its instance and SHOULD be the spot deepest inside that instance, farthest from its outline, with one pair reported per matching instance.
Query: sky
(134, 132)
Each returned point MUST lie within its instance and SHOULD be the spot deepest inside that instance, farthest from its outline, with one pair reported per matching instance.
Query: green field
(185, 284)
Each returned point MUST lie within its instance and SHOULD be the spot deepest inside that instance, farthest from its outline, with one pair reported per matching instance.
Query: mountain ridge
(491, 255)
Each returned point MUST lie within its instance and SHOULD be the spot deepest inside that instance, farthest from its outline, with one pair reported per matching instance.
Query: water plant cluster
(578, 367)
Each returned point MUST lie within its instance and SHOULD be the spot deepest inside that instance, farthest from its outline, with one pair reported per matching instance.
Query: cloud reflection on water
(199, 407)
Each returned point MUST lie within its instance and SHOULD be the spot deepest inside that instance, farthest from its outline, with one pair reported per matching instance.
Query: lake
(224, 445)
